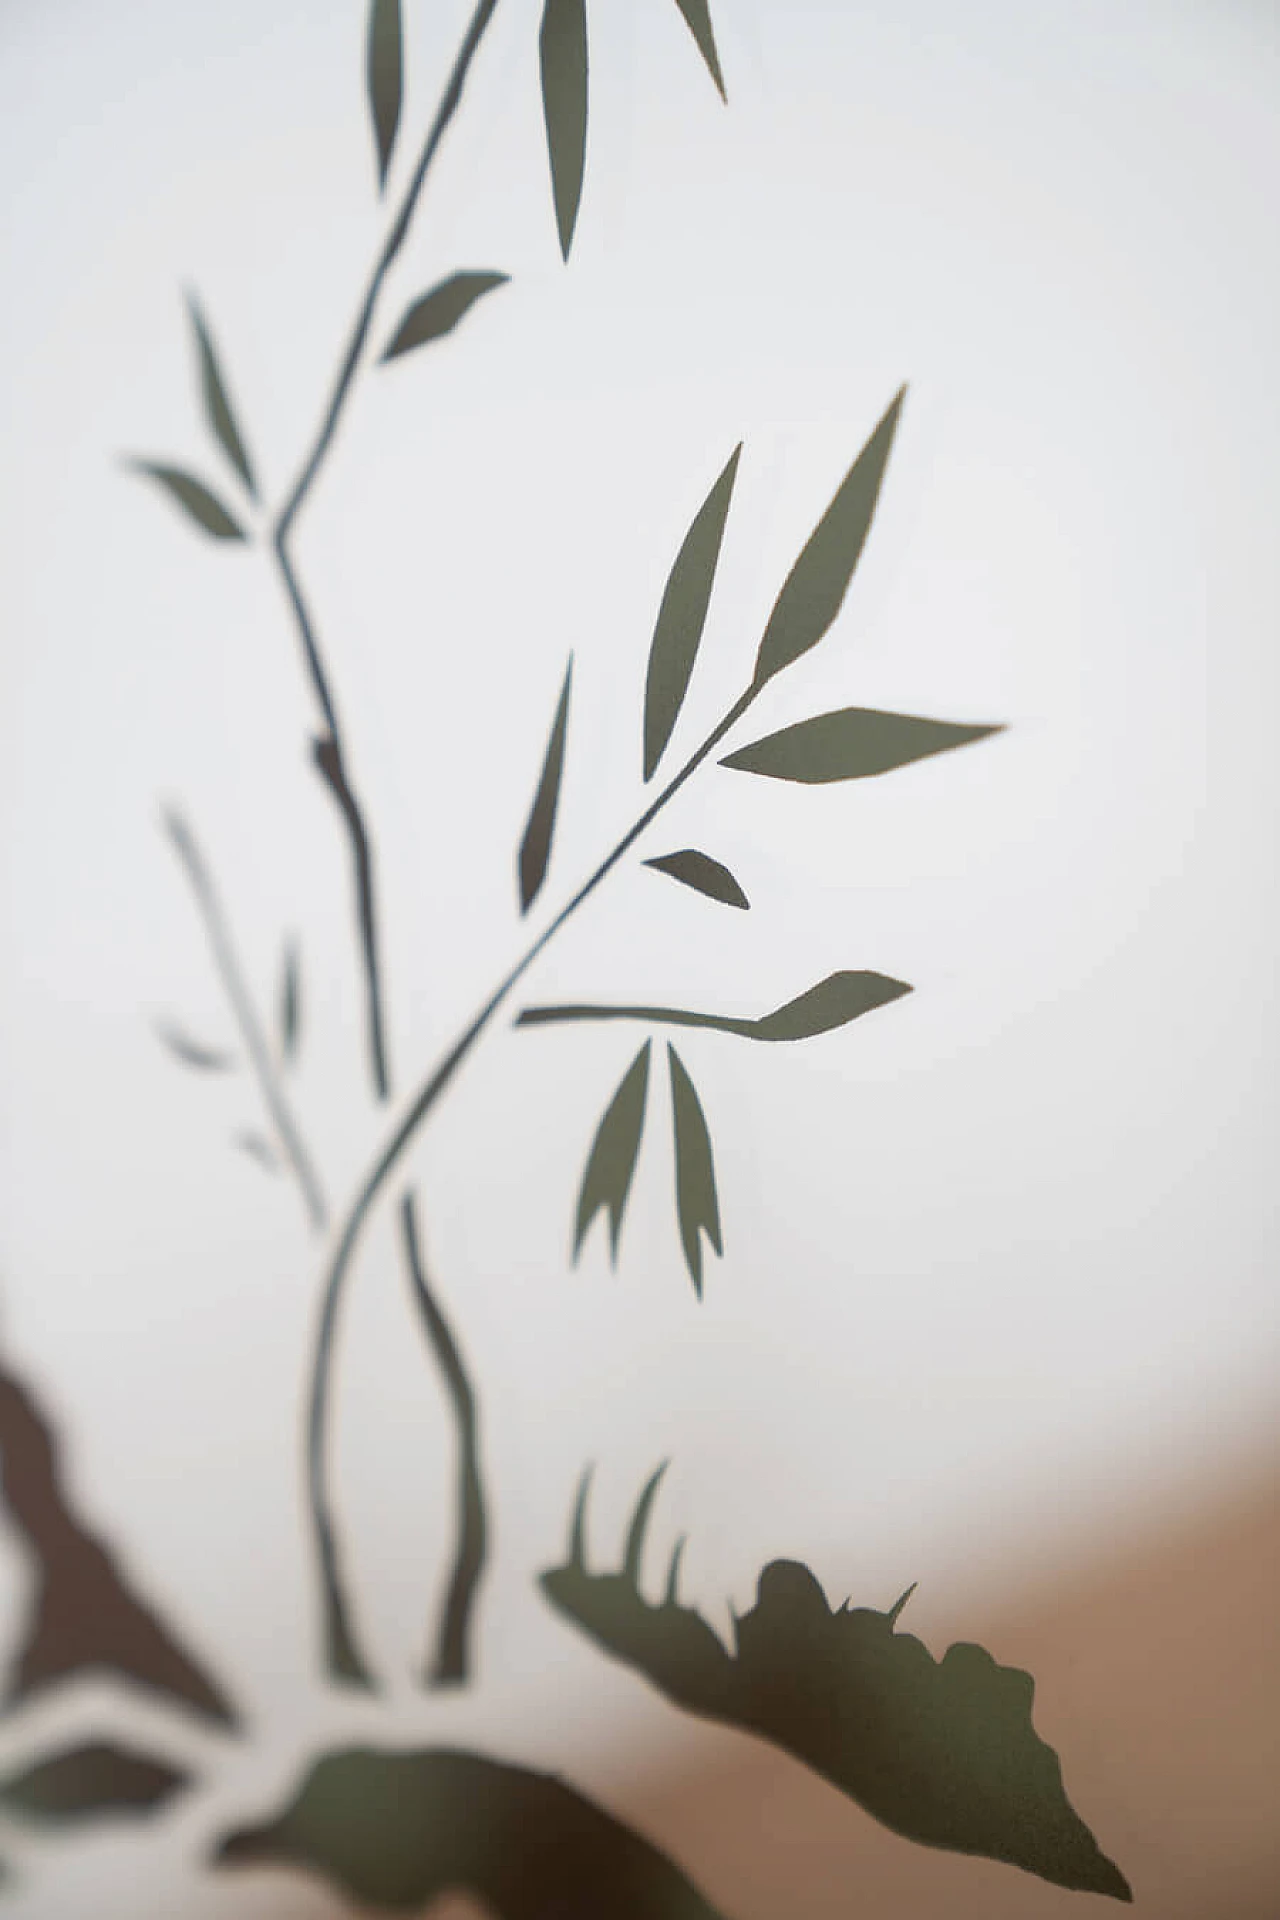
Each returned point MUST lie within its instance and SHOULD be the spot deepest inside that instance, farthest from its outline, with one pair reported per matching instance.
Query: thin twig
(218, 930)
(343, 1654)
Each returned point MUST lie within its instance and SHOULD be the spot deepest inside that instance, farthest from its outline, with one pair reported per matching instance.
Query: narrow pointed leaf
(217, 402)
(696, 1206)
(397, 1831)
(563, 48)
(814, 590)
(705, 875)
(834, 1002)
(612, 1160)
(682, 616)
(258, 1148)
(290, 1011)
(535, 848)
(852, 744)
(633, 1553)
(698, 16)
(193, 497)
(941, 1751)
(88, 1782)
(191, 1052)
(439, 311)
(384, 73)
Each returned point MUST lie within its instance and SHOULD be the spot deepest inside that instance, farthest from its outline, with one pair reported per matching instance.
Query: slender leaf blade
(535, 848)
(439, 311)
(697, 16)
(611, 1163)
(195, 499)
(832, 1003)
(854, 743)
(697, 1208)
(705, 875)
(683, 615)
(89, 1782)
(289, 1012)
(217, 401)
(563, 53)
(192, 1053)
(814, 590)
(258, 1148)
(384, 73)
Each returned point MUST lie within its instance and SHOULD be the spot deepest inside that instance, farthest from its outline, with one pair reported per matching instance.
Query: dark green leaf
(217, 403)
(290, 1001)
(852, 744)
(835, 1001)
(194, 498)
(698, 16)
(384, 65)
(563, 46)
(191, 1052)
(612, 1160)
(700, 871)
(942, 1751)
(696, 1206)
(814, 590)
(398, 1830)
(439, 311)
(682, 616)
(535, 848)
(86, 1782)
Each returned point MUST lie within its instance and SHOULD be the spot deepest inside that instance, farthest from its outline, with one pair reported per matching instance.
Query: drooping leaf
(813, 592)
(851, 744)
(612, 1160)
(439, 311)
(217, 402)
(193, 497)
(88, 1782)
(696, 1207)
(397, 1830)
(191, 1052)
(698, 16)
(258, 1148)
(384, 73)
(290, 1005)
(705, 875)
(682, 616)
(535, 848)
(942, 1751)
(835, 1001)
(563, 49)
(85, 1613)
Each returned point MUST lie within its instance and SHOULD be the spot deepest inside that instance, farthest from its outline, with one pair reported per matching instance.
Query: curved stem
(343, 1655)
(233, 981)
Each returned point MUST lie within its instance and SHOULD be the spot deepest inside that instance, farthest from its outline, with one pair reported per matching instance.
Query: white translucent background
(999, 1267)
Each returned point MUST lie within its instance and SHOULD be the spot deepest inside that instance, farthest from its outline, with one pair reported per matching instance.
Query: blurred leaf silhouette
(852, 744)
(677, 633)
(612, 1160)
(535, 848)
(813, 592)
(89, 1782)
(290, 1005)
(943, 1752)
(563, 49)
(384, 76)
(696, 1207)
(439, 311)
(703, 874)
(191, 1052)
(258, 1148)
(217, 404)
(193, 497)
(834, 1002)
(85, 1614)
(394, 1830)
(697, 14)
